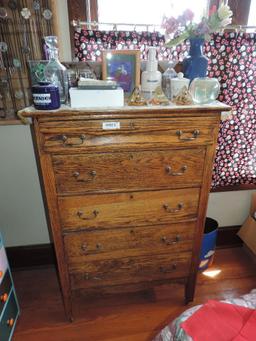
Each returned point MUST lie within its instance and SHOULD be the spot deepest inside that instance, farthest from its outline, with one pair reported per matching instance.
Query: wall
(22, 218)
(229, 208)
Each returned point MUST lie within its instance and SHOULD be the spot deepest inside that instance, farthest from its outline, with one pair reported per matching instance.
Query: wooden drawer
(90, 136)
(9, 317)
(117, 243)
(130, 270)
(128, 170)
(128, 209)
(5, 289)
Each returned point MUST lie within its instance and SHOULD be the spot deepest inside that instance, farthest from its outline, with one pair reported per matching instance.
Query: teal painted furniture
(9, 307)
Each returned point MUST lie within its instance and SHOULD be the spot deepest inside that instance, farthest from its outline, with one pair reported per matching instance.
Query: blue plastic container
(208, 243)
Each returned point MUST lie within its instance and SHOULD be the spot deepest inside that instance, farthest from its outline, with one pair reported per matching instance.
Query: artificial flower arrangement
(182, 28)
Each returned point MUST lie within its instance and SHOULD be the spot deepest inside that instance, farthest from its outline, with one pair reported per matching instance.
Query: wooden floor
(133, 317)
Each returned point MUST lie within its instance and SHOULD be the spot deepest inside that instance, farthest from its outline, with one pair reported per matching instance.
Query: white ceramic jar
(178, 83)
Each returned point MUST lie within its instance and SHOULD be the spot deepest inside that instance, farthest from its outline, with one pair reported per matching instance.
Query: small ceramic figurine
(183, 97)
(159, 97)
(136, 98)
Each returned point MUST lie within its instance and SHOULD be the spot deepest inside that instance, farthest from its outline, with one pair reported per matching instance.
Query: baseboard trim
(227, 237)
(31, 255)
(43, 254)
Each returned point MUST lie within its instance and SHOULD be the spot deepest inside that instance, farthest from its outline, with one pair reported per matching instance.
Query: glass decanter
(55, 72)
(167, 76)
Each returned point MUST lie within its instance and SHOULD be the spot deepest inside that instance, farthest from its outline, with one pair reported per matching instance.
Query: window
(252, 14)
(145, 11)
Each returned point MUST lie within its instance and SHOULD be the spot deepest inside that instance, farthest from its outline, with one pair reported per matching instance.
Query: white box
(81, 98)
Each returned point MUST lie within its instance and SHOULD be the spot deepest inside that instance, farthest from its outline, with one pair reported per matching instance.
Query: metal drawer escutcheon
(195, 134)
(66, 138)
(166, 270)
(92, 174)
(169, 171)
(93, 215)
(173, 210)
(167, 241)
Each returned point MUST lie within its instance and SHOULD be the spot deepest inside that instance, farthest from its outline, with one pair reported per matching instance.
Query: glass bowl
(204, 90)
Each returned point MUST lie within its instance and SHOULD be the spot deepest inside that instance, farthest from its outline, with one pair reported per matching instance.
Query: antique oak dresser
(126, 191)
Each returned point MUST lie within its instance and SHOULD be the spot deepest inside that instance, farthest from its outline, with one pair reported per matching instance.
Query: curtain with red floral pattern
(232, 59)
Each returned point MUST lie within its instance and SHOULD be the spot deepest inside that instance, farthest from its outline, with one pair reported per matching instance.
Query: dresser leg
(190, 290)
(68, 307)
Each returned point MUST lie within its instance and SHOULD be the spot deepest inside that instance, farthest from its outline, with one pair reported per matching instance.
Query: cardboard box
(248, 230)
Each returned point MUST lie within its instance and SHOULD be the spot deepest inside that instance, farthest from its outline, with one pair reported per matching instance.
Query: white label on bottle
(110, 125)
(42, 98)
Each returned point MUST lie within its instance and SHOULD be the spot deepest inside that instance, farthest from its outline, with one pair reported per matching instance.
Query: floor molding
(227, 237)
(43, 254)
(31, 255)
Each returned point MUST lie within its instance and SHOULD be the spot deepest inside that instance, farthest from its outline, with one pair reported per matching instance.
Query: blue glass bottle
(195, 65)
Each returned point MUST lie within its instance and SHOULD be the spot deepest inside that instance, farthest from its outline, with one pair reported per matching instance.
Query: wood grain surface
(150, 240)
(109, 272)
(89, 136)
(142, 170)
(126, 209)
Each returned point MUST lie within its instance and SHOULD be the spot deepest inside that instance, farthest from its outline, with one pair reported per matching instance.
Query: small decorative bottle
(55, 72)
(166, 81)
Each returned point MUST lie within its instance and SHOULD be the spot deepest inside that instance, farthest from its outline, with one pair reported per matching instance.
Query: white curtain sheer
(146, 12)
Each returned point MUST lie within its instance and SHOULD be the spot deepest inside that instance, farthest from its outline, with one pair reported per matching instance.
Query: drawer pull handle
(10, 322)
(166, 270)
(173, 210)
(96, 278)
(4, 297)
(195, 134)
(171, 242)
(92, 174)
(93, 215)
(170, 172)
(65, 141)
(84, 247)
(99, 246)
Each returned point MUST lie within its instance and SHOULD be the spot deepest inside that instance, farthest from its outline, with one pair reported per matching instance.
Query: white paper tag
(110, 125)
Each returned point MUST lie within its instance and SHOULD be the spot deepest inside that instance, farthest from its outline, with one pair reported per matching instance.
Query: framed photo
(123, 66)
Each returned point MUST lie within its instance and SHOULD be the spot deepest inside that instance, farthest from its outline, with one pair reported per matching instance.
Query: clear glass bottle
(55, 72)
(166, 80)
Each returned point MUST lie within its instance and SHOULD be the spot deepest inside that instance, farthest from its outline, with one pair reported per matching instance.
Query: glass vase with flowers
(183, 28)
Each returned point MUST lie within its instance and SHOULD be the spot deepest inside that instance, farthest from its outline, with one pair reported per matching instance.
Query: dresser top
(169, 110)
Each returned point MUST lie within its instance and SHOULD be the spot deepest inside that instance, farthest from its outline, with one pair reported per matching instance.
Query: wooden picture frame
(122, 66)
